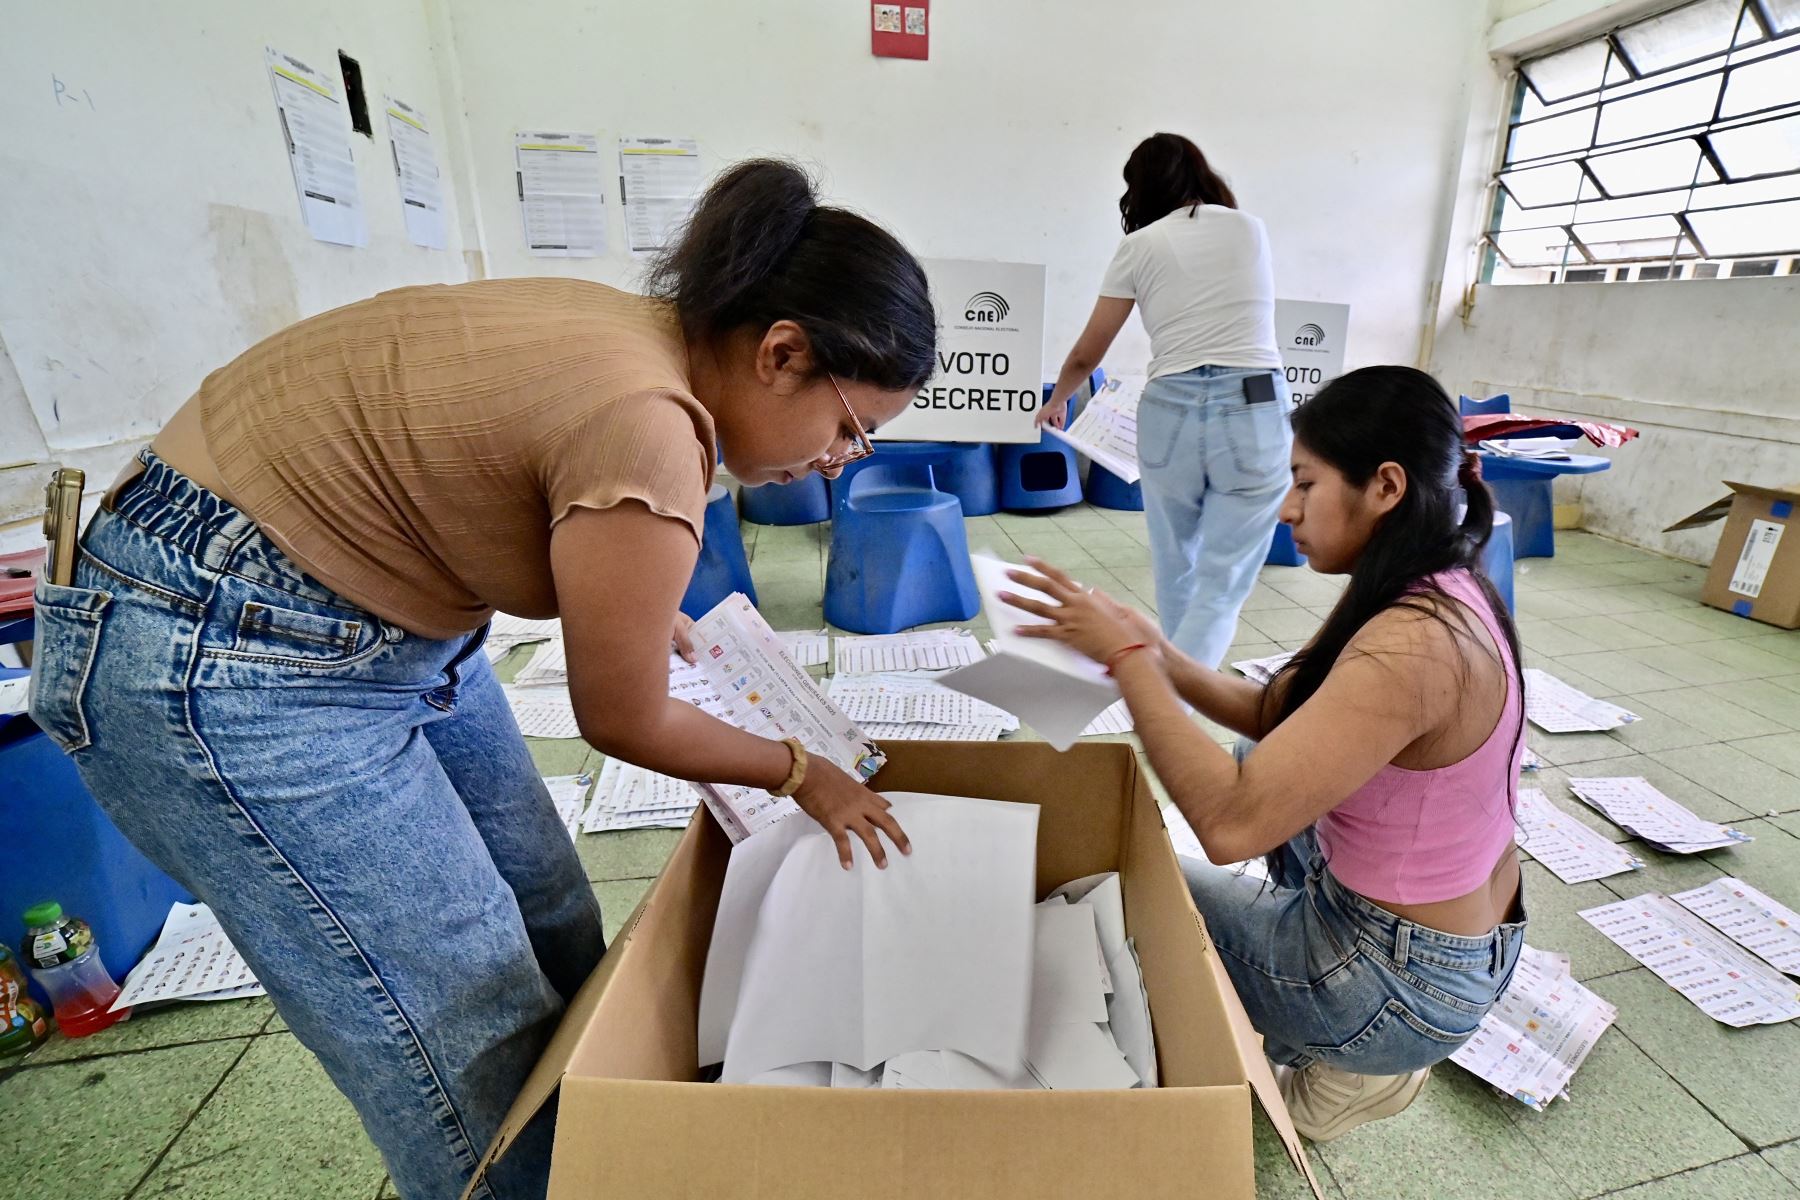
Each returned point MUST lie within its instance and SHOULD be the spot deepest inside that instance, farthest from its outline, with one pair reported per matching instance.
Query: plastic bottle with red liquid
(65, 961)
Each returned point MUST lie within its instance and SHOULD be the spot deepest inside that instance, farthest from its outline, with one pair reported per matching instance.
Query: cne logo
(1309, 335)
(986, 308)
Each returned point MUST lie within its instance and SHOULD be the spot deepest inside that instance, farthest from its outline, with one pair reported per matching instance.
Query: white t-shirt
(1204, 287)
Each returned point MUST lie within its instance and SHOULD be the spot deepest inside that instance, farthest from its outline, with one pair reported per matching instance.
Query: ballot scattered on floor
(1719, 976)
(1555, 707)
(1534, 1039)
(1567, 848)
(1640, 809)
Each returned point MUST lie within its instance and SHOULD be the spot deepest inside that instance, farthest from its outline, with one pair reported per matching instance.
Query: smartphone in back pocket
(1259, 389)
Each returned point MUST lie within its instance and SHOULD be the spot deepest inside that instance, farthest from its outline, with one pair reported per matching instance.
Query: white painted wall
(1707, 371)
(1332, 121)
(149, 229)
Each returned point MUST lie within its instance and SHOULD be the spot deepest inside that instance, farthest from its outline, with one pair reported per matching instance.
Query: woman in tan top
(269, 671)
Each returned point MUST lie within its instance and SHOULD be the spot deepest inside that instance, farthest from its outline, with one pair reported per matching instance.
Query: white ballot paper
(813, 963)
(569, 793)
(1765, 927)
(1531, 1043)
(926, 650)
(192, 960)
(1115, 719)
(1555, 707)
(543, 712)
(547, 665)
(1262, 670)
(1724, 981)
(762, 691)
(505, 632)
(1068, 979)
(1570, 850)
(1106, 428)
(911, 698)
(632, 797)
(1637, 807)
(919, 731)
(807, 647)
(1050, 687)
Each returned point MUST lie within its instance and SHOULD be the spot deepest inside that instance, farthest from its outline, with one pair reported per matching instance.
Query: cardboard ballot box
(632, 1123)
(1755, 571)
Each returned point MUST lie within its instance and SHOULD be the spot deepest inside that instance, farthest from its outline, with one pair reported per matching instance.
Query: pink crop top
(1417, 837)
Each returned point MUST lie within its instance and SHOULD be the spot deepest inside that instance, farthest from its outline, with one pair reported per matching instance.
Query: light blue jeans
(1215, 471)
(1327, 976)
(354, 802)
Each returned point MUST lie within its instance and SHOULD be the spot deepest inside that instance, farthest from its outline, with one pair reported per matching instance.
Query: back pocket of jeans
(1159, 428)
(68, 623)
(308, 639)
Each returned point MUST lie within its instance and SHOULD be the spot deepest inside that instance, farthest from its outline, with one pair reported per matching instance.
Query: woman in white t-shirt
(1213, 436)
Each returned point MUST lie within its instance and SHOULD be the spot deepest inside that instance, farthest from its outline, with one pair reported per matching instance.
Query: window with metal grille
(1673, 141)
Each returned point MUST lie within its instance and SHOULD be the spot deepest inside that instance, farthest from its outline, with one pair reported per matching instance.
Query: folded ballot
(937, 973)
(1048, 686)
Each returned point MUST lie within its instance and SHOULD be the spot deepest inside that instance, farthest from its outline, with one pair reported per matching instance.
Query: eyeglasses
(860, 445)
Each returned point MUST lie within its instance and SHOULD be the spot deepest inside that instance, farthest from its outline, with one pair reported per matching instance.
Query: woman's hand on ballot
(1053, 415)
(845, 806)
(681, 638)
(1086, 619)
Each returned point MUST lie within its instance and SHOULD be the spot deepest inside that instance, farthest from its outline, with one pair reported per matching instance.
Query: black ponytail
(1356, 423)
(1166, 172)
(759, 248)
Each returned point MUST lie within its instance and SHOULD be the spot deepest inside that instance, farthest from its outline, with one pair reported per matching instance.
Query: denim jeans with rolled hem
(1328, 976)
(1215, 470)
(354, 802)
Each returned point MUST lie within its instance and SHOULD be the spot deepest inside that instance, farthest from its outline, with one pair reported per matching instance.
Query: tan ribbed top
(413, 451)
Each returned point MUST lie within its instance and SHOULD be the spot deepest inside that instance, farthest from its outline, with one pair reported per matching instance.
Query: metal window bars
(1673, 138)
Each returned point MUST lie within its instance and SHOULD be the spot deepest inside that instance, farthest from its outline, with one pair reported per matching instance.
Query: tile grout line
(198, 1108)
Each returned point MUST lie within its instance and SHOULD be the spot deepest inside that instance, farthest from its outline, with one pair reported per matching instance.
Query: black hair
(1397, 415)
(1164, 173)
(759, 248)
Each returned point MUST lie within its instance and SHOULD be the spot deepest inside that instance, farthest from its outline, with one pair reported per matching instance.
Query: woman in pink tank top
(1377, 769)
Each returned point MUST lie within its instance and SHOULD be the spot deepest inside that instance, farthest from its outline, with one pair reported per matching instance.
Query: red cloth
(1486, 426)
(15, 590)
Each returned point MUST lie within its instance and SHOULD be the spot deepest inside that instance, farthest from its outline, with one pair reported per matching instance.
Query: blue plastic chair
(1497, 559)
(1282, 551)
(961, 469)
(899, 553)
(806, 501)
(723, 567)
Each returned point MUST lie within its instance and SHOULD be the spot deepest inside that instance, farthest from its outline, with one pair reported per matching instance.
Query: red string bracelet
(1113, 659)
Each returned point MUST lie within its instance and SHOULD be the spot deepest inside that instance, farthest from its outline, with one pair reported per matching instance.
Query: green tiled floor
(222, 1101)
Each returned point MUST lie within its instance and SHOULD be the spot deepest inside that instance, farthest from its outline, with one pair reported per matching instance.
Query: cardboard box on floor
(1755, 571)
(633, 1123)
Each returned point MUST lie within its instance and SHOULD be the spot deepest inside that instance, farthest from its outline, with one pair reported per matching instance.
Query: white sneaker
(1327, 1103)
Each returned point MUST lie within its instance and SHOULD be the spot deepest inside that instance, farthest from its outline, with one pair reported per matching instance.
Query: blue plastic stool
(1039, 475)
(1483, 408)
(961, 469)
(899, 554)
(806, 501)
(1106, 490)
(59, 845)
(1497, 559)
(1282, 551)
(722, 568)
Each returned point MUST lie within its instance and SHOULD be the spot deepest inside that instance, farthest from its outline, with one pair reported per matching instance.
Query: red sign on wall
(900, 30)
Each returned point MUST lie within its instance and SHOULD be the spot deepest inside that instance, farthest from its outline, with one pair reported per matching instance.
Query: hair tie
(1469, 472)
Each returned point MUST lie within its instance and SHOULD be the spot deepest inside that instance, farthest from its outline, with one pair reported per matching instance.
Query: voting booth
(633, 1121)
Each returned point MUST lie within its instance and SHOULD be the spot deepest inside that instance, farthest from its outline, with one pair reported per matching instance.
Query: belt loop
(1499, 949)
(1402, 943)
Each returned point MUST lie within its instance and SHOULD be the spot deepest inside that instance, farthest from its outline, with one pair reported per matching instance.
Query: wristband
(797, 775)
(1119, 655)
